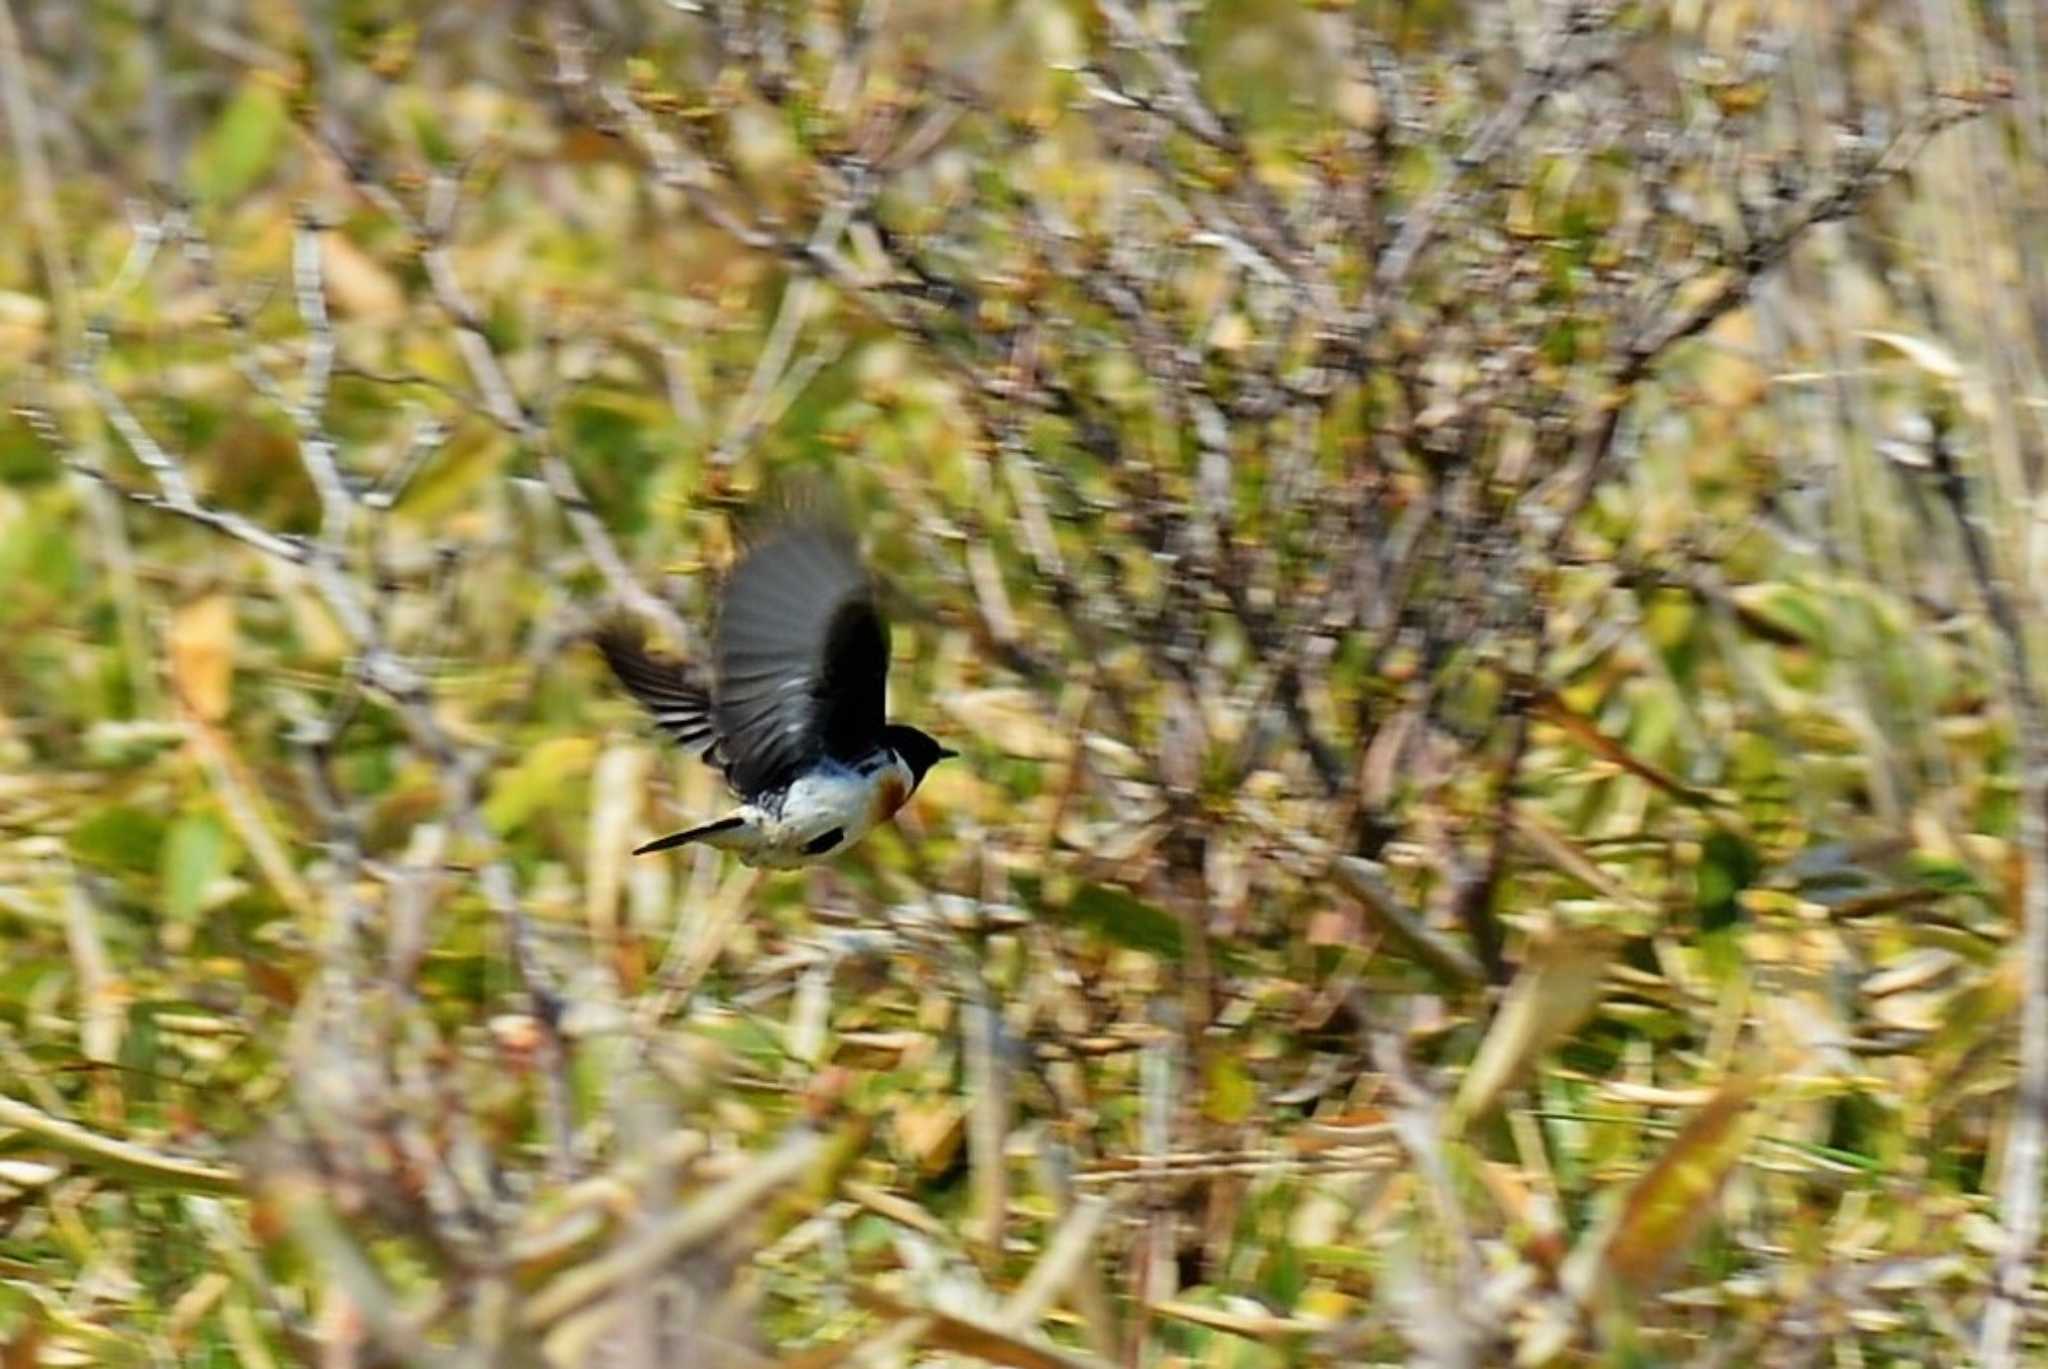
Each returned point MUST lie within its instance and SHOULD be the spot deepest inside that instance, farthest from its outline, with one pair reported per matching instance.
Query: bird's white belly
(830, 797)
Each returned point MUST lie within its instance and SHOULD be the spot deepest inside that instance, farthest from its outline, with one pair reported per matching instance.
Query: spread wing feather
(802, 654)
(664, 685)
(801, 659)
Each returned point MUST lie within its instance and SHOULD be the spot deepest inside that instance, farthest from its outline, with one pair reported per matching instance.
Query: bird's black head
(919, 750)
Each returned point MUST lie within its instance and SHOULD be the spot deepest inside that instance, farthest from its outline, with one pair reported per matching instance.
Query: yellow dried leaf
(1918, 1011)
(1732, 380)
(974, 1338)
(202, 655)
(1259, 1326)
(1916, 969)
(1930, 357)
(1358, 103)
(1558, 987)
(1232, 333)
(1668, 1204)
(931, 1133)
(194, 1304)
(1011, 720)
(1622, 1091)
(357, 284)
(24, 326)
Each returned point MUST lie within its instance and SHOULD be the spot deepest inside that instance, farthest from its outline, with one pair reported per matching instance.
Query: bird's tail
(709, 829)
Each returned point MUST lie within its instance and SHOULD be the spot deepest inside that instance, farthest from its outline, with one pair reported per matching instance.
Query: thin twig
(132, 1162)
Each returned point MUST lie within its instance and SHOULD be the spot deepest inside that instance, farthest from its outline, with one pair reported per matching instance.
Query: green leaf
(1126, 920)
(1285, 1277)
(142, 1049)
(39, 559)
(474, 455)
(430, 131)
(1781, 612)
(119, 838)
(1230, 1094)
(197, 854)
(242, 144)
(24, 458)
(1728, 865)
(1948, 875)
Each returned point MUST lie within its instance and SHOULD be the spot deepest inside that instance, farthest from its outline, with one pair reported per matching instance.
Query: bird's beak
(947, 753)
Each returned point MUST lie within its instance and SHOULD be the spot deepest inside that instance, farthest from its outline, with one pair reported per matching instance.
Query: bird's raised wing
(802, 654)
(665, 686)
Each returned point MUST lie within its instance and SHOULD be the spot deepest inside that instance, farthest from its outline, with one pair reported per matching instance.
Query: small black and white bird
(793, 709)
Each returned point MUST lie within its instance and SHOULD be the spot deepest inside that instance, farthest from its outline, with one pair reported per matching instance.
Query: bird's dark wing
(803, 655)
(665, 686)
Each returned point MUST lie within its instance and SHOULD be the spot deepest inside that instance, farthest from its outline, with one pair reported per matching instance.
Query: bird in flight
(792, 710)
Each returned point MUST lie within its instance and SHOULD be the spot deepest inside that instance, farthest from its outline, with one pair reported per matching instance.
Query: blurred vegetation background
(1482, 558)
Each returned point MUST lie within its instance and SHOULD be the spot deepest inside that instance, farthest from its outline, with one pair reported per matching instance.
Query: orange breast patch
(890, 793)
